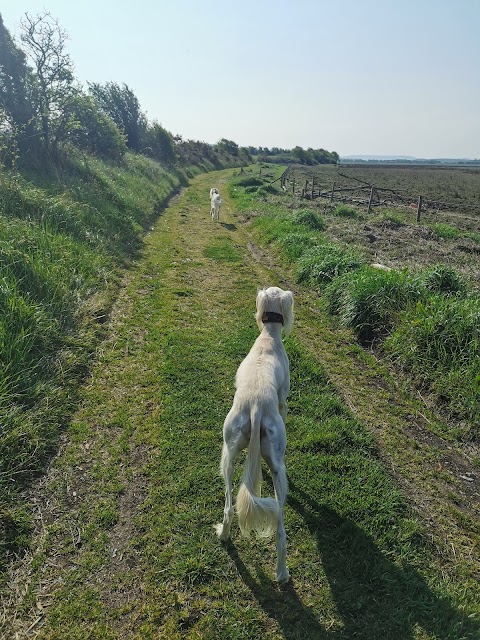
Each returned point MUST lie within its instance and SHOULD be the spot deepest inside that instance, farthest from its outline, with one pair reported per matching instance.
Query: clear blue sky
(356, 77)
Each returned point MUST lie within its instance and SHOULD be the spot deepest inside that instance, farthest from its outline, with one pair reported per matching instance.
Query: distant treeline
(296, 155)
(440, 161)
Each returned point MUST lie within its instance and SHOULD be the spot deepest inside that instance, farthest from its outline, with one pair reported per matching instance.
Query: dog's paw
(219, 530)
(283, 576)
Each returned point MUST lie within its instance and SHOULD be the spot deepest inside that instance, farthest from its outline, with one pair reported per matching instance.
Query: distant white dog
(257, 420)
(215, 203)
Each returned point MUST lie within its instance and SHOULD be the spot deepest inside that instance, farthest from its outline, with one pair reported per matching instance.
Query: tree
(300, 154)
(17, 123)
(13, 81)
(53, 91)
(123, 107)
(159, 144)
(92, 130)
(228, 146)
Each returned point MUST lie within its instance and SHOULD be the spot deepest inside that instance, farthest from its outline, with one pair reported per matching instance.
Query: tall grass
(439, 342)
(65, 233)
(369, 300)
(325, 262)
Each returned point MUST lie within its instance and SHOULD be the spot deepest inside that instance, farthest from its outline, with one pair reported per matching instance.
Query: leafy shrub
(369, 300)
(94, 131)
(309, 219)
(324, 262)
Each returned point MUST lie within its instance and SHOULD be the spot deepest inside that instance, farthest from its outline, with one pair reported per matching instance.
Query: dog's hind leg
(233, 442)
(280, 483)
(273, 446)
(226, 468)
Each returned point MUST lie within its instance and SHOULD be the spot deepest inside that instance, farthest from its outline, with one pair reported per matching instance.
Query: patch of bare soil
(405, 245)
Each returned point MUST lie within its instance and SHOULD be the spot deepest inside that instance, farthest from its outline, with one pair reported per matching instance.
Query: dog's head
(274, 300)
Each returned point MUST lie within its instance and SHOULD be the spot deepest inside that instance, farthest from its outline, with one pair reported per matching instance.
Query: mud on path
(89, 570)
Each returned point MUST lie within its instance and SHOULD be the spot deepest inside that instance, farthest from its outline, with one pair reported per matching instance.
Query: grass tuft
(325, 262)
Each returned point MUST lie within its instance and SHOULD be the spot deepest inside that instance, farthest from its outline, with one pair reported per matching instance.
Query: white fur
(382, 267)
(257, 421)
(215, 204)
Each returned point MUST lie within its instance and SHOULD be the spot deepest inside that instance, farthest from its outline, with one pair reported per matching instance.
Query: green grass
(446, 231)
(325, 262)
(439, 340)
(143, 457)
(310, 219)
(369, 300)
(65, 234)
(127, 548)
(344, 211)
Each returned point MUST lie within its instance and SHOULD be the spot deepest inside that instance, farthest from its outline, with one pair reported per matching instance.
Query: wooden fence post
(419, 208)
(370, 201)
(333, 191)
(293, 186)
(313, 185)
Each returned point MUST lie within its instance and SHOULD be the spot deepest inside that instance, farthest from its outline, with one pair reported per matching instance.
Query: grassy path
(125, 546)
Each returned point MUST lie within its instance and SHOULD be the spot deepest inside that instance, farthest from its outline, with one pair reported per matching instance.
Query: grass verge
(128, 548)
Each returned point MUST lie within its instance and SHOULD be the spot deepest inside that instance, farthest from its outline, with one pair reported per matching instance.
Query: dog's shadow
(280, 602)
(228, 226)
(374, 597)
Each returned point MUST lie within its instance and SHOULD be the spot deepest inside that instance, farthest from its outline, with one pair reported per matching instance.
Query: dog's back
(262, 372)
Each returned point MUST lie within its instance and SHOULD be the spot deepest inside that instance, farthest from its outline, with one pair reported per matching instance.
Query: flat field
(449, 228)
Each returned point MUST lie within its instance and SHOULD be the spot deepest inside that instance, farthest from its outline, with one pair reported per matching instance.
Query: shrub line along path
(124, 545)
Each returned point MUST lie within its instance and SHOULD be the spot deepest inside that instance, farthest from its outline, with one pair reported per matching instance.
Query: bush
(324, 262)
(94, 131)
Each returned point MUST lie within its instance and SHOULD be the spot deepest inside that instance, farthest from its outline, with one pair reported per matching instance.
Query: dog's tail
(255, 513)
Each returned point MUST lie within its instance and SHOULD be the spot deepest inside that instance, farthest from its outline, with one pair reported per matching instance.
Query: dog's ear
(261, 300)
(287, 312)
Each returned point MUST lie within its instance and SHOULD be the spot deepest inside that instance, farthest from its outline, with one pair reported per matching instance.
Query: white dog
(257, 420)
(215, 203)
